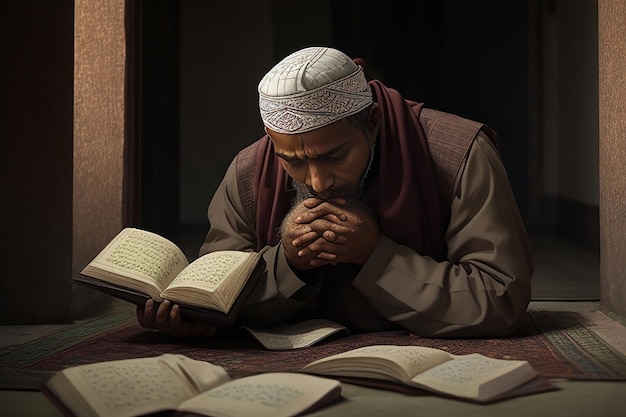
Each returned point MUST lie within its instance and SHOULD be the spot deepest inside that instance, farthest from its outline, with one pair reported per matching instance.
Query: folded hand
(318, 233)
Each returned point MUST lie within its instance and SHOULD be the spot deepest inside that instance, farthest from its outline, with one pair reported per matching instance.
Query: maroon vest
(420, 150)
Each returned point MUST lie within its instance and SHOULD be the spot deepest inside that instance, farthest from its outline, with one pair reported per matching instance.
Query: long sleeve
(279, 293)
(484, 287)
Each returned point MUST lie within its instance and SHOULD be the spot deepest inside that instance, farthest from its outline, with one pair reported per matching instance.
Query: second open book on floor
(474, 377)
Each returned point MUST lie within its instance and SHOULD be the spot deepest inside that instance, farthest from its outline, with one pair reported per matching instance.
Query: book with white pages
(298, 335)
(175, 385)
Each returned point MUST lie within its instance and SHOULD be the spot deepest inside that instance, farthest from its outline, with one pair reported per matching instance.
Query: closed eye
(288, 159)
(295, 162)
(336, 157)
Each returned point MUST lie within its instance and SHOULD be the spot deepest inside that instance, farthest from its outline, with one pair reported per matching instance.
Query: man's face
(329, 161)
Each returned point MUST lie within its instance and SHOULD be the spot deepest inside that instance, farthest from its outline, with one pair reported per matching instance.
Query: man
(370, 210)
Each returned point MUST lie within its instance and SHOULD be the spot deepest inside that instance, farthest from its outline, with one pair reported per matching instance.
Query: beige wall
(99, 67)
(612, 82)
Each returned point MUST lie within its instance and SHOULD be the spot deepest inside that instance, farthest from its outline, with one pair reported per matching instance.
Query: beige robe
(483, 289)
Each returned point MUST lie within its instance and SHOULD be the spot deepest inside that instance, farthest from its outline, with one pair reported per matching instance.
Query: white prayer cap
(312, 88)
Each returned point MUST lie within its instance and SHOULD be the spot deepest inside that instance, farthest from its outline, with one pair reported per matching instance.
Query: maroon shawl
(409, 204)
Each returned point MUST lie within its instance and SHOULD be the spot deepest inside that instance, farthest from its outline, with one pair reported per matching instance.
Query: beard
(355, 200)
(354, 196)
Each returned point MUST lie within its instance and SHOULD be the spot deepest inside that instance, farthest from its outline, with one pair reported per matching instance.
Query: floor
(566, 278)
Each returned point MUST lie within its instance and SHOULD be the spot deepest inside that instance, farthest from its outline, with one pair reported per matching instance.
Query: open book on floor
(297, 335)
(179, 386)
(137, 265)
(473, 377)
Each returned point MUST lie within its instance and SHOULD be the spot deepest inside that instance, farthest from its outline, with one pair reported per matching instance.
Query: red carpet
(557, 344)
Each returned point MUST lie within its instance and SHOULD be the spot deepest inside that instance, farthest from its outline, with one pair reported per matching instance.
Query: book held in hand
(473, 377)
(137, 265)
(177, 385)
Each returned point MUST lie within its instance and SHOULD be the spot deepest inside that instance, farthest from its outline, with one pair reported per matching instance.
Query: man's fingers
(163, 313)
(319, 246)
(145, 314)
(168, 319)
(314, 202)
(175, 316)
(304, 239)
(327, 256)
(320, 226)
(330, 231)
(320, 211)
(150, 311)
(333, 237)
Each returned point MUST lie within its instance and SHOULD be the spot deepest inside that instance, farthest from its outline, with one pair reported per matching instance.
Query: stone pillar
(99, 106)
(612, 111)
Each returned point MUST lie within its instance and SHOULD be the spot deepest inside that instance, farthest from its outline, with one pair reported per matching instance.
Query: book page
(295, 336)
(141, 255)
(275, 394)
(209, 271)
(464, 375)
(137, 386)
(224, 270)
(377, 361)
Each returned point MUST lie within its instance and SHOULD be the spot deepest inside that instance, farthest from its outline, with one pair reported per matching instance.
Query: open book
(472, 377)
(176, 383)
(296, 336)
(137, 265)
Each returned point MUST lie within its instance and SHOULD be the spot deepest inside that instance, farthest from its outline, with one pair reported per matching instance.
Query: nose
(319, 178)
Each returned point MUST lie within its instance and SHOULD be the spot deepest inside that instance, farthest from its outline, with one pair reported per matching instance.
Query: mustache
(353, 195)
(303, 192)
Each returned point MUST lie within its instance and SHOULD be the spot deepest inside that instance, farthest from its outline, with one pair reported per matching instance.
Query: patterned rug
(557, 345)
